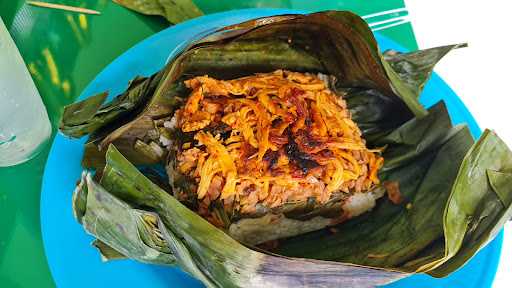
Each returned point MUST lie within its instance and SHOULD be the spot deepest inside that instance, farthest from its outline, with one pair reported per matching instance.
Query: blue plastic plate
(75, 263)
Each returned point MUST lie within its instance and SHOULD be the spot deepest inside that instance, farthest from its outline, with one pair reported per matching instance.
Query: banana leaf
(391, 235)
(142, 238)
(480, 202)
(107, 253)
(89, 115)
(415, 68)
(386, 237)
(336, 43)
(175, 11)
(115, 209)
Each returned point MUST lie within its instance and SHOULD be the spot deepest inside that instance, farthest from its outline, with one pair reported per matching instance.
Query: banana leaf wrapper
(381, 92)
(140, 220)
(441, 223)
(174, 11)
(133, 217)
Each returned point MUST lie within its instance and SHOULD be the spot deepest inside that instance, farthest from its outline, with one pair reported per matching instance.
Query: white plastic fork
(394, 17)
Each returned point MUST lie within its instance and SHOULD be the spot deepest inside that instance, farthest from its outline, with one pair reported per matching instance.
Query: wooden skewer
(63, 7)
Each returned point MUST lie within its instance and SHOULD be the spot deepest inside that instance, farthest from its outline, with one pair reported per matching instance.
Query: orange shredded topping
(287, 138)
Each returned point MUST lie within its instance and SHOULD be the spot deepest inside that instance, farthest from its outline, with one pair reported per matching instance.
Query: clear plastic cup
(24, 124)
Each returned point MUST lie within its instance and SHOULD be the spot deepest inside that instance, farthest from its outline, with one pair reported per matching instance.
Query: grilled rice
(268, 140)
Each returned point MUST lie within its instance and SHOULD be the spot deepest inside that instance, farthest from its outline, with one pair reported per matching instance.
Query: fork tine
(386, 12)
(377, 23)
(393, 24)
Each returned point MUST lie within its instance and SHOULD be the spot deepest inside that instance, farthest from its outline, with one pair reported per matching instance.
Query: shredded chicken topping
(272, 139)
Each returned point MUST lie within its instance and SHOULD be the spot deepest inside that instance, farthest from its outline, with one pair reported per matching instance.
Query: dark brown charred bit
(295, 92)
(269, 245)
(219, 129)
(303, 160)
(276, 172)
(252, 91)
(323, 157)
(298, 173)
(317, 171)
(302, 109)
(378, 256)
(277, 139)
(393, 190)
(270, 158)
(98, 175)
(249, 189)
(246, 151)
(276, 122)
(308, 122)
(338, 220)
(309, 143)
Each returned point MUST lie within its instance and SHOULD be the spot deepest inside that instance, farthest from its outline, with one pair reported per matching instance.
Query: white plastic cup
(24, 124)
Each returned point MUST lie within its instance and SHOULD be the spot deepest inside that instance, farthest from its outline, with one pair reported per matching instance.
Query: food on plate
(268, 145)
(288, 151)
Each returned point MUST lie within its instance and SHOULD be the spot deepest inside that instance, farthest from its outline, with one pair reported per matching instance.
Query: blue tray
(75, 263)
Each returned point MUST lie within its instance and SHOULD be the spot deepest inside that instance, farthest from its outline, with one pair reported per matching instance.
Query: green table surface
(63, 52)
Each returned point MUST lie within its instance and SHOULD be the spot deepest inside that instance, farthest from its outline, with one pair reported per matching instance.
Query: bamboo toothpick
(63, 7)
